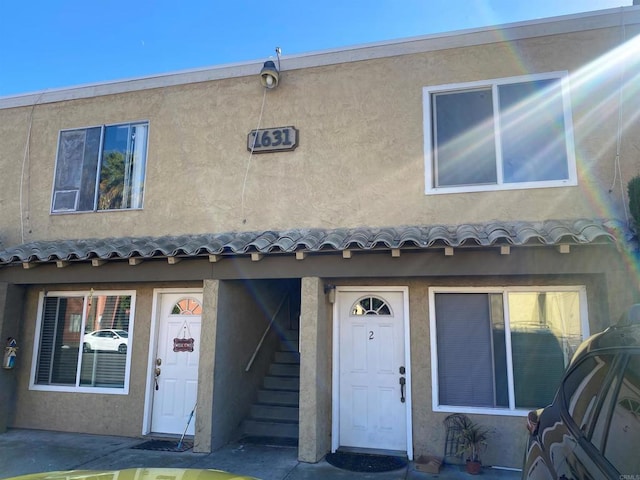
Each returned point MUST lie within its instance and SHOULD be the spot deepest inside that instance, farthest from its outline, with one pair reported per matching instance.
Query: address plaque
(278, 139)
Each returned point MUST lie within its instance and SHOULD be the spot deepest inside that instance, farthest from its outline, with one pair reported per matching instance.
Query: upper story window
(100, 168)
(510, 133)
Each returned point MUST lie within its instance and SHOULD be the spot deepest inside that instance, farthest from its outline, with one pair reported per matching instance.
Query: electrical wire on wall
(617, 171)
(25, 163)
(246, 173)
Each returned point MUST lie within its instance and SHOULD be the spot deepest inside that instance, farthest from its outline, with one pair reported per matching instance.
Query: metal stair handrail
(266, 332)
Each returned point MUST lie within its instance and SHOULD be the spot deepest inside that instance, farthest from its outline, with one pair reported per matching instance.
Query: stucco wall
(506, 445)
(315, 371)
(89, 413)
(244, 312)
(360, 160)
(508, 434)
(208, 333)
(11, 305)
(239, 323)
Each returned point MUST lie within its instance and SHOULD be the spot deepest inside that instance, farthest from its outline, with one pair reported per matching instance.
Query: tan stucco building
(424, 227)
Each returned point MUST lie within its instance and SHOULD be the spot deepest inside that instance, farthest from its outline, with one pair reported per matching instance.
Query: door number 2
(370, 334)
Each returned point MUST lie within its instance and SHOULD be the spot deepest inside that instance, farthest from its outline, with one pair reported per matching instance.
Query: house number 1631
(272, 139)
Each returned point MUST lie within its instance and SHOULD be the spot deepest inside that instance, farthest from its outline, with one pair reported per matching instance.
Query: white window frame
(504, 290)
(430, 177)
(36, 343)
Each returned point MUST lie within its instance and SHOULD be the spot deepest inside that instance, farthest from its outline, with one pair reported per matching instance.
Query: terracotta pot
(473, 467)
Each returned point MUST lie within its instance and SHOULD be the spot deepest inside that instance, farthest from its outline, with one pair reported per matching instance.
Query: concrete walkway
(31, 451)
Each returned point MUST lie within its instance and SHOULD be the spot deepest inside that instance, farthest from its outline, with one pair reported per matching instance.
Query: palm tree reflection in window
(112, 182)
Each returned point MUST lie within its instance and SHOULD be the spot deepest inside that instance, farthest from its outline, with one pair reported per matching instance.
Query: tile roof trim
(316, 240)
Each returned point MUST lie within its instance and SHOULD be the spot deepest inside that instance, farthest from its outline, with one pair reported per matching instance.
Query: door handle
(402, 383)
(156, 372)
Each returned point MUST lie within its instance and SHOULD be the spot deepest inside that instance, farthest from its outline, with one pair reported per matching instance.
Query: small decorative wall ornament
(10, 353)
(186, 343)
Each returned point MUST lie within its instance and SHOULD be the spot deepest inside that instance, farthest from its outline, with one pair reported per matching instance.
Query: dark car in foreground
(592, 428)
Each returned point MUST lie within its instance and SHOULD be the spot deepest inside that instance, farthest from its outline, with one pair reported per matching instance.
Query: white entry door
(175, 388)
(373, 376)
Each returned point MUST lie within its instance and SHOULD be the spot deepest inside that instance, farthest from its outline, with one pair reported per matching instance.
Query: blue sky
(51, 44)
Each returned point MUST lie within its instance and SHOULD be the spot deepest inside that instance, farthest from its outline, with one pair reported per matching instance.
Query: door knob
(403, 381)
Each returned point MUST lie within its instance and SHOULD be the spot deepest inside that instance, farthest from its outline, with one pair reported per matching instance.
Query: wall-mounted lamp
(269, 75)
(331, 291)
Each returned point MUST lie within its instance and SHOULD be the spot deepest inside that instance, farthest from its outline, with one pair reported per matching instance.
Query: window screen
(504, 349)
(465, 350)
(464, 138)
(84, 341)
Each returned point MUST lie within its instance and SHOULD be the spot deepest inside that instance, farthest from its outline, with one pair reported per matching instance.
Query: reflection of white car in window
(111, 340)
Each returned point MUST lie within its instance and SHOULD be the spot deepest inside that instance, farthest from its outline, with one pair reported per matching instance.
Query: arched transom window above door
(187, 306)
(371, 305)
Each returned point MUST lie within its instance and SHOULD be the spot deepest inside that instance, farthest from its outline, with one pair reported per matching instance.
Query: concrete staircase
(274, 416)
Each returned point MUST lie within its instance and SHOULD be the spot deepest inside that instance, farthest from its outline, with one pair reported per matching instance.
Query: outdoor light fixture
(331, 291)
(269, 75)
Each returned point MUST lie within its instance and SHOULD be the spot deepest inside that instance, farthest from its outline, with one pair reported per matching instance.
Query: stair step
(287, 357)
(276, 413)
(273, 412)
(282, 383)
(289, 346)
(284, 370)
(279, 397)
(270, 441)
(291, 335)
(271, 429)
(290, 339)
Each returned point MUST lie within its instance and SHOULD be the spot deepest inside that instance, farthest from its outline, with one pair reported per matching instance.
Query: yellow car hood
(136, 474)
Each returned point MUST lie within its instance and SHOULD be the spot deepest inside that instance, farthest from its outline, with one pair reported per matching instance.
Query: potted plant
(471, 438)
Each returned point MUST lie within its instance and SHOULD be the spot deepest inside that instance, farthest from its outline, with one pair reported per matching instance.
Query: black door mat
(270, 441)
(164, 445)
(363, 462)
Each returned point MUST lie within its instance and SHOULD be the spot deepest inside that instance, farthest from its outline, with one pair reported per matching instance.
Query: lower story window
(83, 342)
(503, 348)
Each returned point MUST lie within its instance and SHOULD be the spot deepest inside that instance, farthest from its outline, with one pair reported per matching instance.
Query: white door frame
(335, 400)
(153, 344)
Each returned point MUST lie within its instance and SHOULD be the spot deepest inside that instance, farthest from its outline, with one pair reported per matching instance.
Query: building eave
(300, 242)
